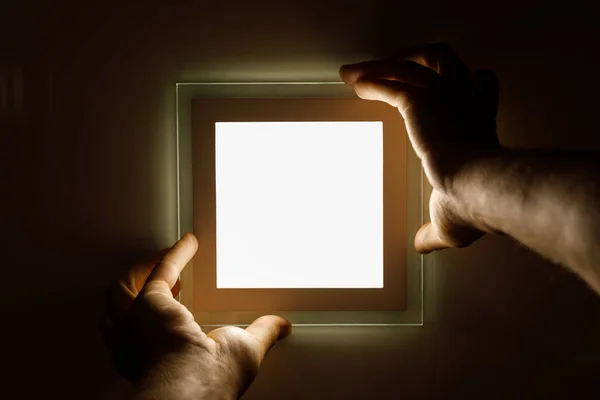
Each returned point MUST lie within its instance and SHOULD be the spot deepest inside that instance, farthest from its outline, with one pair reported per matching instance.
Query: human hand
(450, 116)
(156, 343)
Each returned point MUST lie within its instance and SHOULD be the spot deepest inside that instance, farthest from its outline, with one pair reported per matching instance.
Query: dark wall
(87, 119)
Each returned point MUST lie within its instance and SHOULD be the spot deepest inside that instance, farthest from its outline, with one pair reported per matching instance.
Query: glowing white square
(299, 204)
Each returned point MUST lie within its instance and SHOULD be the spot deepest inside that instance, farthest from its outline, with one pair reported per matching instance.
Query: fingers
(120, 296)
(168, 268)
(137, 275)
(394, 93)
(440, 57)
(419, 66)
(269, 329)
(426, 240)
(402, 71)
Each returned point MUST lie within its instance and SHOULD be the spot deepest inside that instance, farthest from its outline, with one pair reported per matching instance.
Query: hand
(155, 342)
(450, 116)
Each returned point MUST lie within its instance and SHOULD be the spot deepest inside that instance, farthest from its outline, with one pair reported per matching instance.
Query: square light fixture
(302, 197)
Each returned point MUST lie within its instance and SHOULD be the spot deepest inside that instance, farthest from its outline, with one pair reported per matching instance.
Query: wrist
(185, 375)
(476, 186)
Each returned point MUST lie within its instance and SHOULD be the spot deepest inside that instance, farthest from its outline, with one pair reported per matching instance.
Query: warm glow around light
(299, 204)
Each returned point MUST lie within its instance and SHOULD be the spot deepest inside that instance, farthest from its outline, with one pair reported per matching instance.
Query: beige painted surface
(88, 167)
(391, 297)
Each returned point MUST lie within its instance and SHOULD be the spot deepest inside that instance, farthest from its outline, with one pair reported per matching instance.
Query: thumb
(268, 330)
(427, 240)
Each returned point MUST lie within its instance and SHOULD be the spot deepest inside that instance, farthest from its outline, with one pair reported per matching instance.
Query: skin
(155, 342)
(545, 201)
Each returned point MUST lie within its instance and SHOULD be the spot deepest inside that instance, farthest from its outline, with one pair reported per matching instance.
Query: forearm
(550, 203)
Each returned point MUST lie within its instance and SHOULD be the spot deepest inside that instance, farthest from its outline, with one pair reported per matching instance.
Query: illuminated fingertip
(420, 247)
(285, 329)
(269, 330)
(349, 74)
(189, 238)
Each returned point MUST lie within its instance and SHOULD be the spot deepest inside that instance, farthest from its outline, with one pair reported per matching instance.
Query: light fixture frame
(186, 93)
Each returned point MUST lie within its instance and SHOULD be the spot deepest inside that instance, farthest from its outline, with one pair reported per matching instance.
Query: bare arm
(548, 202)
